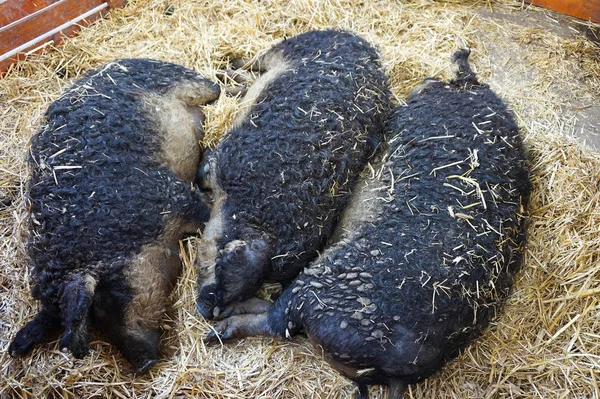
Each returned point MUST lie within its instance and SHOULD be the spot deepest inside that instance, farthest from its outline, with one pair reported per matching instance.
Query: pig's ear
(241, 266)
(75, 301)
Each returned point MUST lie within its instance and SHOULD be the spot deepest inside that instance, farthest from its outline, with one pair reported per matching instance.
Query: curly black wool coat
(110, 194)
(283, 175)
(426, 250)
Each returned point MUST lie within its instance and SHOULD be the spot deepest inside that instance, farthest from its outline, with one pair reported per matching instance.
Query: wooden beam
(40, 22)
(117, 3)
(13, 10)
(44, 21)
(588, 10)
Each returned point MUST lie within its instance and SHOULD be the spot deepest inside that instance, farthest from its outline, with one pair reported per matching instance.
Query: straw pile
(547, 341)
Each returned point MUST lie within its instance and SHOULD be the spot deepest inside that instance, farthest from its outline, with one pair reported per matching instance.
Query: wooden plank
(117, 3)
(55, 34)
(29, 25)
(588, 10)
(36, 24)
(12, 10)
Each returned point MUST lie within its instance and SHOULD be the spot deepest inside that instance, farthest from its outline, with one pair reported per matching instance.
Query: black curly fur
(98, 192)
(412, 281)
(288, 168)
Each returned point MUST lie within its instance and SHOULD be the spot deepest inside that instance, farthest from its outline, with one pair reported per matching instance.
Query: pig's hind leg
(241, 326)
(257, 65)
(268, 67)
(243, 73)
(180, 119)
(181, 113)
(236, 82)
(195, 91)
(272, 322)
(251, 306)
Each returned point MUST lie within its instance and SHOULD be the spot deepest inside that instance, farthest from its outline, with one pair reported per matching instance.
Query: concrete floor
(581, 112)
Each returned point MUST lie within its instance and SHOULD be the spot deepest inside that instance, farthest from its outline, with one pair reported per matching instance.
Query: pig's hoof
(144, 366)
(20, 346)
(205, 309)
(250, 306)
(32, 334)
(223, 330)
(79, 346)
(228, 311)
(205, 301)
(140, 347)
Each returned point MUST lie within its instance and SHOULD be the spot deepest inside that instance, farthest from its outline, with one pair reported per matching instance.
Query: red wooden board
(42, 21)
(12, 10)
(588, 10)
(28, 24)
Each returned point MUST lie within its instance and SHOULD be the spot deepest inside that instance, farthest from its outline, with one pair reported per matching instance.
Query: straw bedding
(547, 341)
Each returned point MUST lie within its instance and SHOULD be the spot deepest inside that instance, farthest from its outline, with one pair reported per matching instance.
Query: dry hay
(547, 341)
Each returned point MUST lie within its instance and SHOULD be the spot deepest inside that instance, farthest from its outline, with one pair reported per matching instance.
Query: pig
(279, 179)
(110, 193)
(426, 251)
